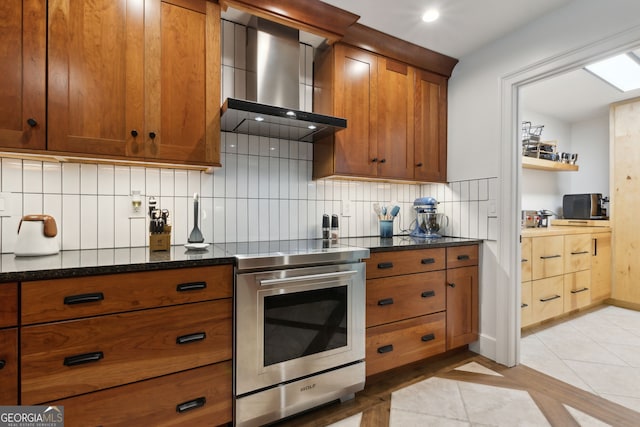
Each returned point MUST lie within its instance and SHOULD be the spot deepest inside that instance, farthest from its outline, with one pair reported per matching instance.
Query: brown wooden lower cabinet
(198, 397)
(399, 343)
(9, 366)
(462, 306)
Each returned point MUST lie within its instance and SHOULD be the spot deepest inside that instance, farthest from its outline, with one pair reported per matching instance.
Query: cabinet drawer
(8, 304)
(162, 401)
(577, 290)
(9, 366)
(525, 262)
(60, 299)
(526, 309)
(411, 295)
(396, 344)
(547, 259)
(462, 256)
(385, 264)
(68, 358)
(547, 298)
(577, 252)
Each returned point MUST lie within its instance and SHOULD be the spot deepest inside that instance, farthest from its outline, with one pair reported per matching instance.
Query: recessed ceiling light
(291, 114)
(622, 71)
(312, 127)
(430, 15)
(259, 119)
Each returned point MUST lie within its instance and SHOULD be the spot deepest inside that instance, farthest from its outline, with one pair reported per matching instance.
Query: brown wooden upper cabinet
(22, 67)
(396, 117)
(135, 80)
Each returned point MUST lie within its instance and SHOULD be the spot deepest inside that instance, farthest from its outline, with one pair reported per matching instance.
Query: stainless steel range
(299, 336)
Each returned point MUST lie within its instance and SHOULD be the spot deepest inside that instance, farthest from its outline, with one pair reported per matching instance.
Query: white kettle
(37, 236)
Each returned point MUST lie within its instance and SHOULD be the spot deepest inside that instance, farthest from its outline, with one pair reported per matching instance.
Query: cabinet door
(577, 290)
(462, 306)
(22, 67)
(525, 262)
(546, 253)
(9, 366)
(356, 100)
(395, 119)
(95, 91)
(430, 145)
(601, 266)
(577, 252)
(547, 298)
(526, 309)
(182, 114)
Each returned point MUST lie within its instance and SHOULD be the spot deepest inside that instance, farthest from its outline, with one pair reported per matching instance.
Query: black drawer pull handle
(386, 301)
(2, 363)
(463, 257)
(550, 298)
(383, 265)
(32, 122)
(523, 305)
(385, 349)
(579, 253)
(428, 337)
(550, 256)
(577, 291)
(427, 261)
(428, 294)
(193, 286)
(83, 298)
(452, 285)
(524, 260)
(83, 358)
(192, 404)
(186, 339)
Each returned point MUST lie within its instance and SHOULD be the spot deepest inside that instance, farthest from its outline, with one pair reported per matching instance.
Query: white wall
(590, 139)
(475, 112)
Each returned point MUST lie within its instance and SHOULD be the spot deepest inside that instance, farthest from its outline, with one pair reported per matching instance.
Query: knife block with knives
(159, 228)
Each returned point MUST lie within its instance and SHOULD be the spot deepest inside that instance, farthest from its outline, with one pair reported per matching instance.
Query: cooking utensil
(37, 236)
(196, 235)
(394, 211)
(377, 210)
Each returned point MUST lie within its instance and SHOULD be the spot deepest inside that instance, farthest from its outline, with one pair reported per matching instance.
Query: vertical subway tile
(464, 219)
(240, 55)
(242, 176)
(284, 148)
(231, 231)
(106, 179)
(12, 175)
(243, 144)
(464, 191)
(206, 184)
(293, 149)
(51, 178)
(313, 224)
(70, 178)
(227, 83)
(152, 182)
(220, 179)
(253, 184)
(253, 227)
(483, 189)
(32, 176)
(32, 203)
(493, 188)
(106, 222)
(254, 145)
(122, 181)
(473, 190)
(263, 166)
(206, 219)
(274, 221)
(231, 177)
(122, 230)
(274, 147)
(473, 219)
(167, 183)
(283, 180)
(181, 183)
(264, 220)
(89, 221)
(321, 185)
(302, 219)
(193, 181)
(139, 232)
(302, 179)
(239, 83)
(219, 220)
(264, 146)
(231, 142)
(71, 221)
(293, 179)
(137, 181)
(182, 219)
(88, 179)
(52, 205)
(228, 43)
(454, 219)
(288, 219)
(9, 232)
(483, 218)
(274, 177)
(242, 220)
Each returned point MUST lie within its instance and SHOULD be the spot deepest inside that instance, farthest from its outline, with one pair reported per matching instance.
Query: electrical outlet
(346, 207)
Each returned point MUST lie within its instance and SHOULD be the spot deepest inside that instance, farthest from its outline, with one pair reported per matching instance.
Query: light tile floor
(598, 352)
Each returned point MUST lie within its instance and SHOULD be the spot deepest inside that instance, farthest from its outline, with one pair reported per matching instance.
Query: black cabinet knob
(152, 135)
(134, 133)
(2, 363)
(383, 161)
(452, 285)
(419, 165)
(375, 159)
(32, 122)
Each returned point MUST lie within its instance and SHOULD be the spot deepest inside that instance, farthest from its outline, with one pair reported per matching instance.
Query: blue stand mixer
(428, 221)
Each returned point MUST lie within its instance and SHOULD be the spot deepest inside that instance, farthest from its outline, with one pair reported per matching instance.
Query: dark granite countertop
(90, 262)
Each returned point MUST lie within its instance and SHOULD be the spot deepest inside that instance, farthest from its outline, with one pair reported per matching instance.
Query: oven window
(303, 323)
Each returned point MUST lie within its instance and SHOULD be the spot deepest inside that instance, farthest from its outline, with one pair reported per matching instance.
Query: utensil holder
(386, 228)
(160, 241)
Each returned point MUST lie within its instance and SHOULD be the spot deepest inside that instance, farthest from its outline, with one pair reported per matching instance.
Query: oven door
(297, 322)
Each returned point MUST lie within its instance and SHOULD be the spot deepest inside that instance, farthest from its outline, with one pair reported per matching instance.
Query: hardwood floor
(549, 394)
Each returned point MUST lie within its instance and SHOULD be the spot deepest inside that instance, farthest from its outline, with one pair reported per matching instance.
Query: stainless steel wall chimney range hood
(271, 107)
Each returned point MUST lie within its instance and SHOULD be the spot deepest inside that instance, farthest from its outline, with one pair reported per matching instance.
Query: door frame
(508, 291)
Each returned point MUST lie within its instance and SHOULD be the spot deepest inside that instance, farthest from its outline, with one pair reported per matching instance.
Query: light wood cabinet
(525, 261)
(577, 252)
(23, 119)
(396, 117)
(526, 305)
(547, 257)
(420, 303)
(133, 81)
(547, 298)
(97, 343)
(577, 290)
(601, 266)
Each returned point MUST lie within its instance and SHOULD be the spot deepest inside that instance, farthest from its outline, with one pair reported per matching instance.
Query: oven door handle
(332, 275)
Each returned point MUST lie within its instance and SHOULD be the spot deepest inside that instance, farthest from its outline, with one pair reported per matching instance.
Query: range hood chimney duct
(272, 103)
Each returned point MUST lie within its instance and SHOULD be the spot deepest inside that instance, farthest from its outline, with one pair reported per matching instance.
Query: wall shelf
(547, 165)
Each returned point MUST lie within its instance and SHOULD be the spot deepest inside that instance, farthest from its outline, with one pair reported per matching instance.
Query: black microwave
(583, 206)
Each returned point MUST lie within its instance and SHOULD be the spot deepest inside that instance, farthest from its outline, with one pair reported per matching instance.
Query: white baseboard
(485, 346)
